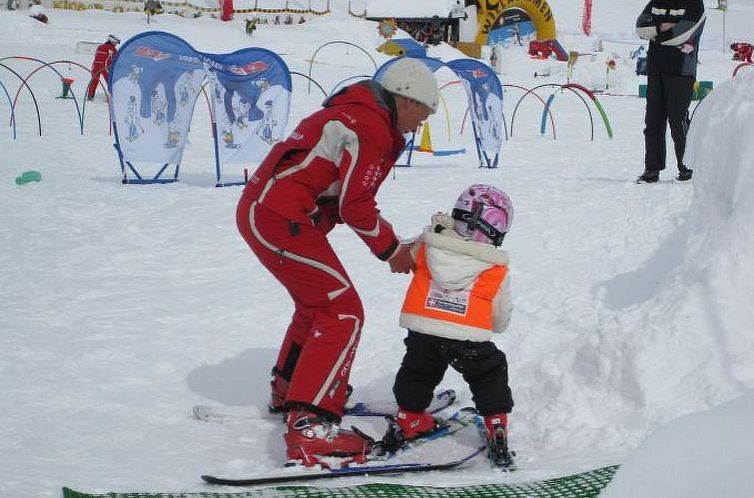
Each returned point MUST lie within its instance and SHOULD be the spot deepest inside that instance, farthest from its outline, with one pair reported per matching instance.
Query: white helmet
(113, 39)
(412, 79)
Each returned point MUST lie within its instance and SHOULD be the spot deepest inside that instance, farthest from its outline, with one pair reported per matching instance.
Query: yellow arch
(488, 11)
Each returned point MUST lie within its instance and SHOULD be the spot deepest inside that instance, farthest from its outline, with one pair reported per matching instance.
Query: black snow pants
(427, 357)
(668, 99)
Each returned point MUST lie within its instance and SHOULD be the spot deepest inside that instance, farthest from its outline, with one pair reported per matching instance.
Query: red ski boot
(309, 435)
(497, 440)
(414, 424)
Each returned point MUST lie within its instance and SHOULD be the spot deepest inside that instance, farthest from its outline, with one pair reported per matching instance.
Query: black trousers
(668, 99)
(427, 357)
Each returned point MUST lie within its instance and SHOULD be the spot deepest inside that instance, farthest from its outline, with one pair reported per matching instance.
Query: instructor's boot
(278, 392)
(497, 440)
(309, 436)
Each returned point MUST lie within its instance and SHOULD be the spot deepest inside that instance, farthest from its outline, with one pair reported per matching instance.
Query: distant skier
(458, 297)
(103, 57)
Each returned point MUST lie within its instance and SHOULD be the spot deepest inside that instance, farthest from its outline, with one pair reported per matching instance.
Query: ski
(206, 413)
(297, 474)
(440, 401)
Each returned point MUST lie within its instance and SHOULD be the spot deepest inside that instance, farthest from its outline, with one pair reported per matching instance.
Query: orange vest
(467, 307)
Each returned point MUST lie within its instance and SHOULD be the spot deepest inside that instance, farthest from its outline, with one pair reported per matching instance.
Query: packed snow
(124, 306)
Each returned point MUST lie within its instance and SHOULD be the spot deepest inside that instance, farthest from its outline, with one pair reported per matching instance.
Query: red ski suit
(100, 66)
(327, 171)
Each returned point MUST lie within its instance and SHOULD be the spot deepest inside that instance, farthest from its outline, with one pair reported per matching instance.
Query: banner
(154, 83)
(586, 20)
(485, 95)
(251, 96)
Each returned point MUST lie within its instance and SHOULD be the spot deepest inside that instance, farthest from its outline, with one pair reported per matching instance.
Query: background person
(103, 57)
(673, 28)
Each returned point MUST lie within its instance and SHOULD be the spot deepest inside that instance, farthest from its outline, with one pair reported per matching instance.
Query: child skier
(103, 57)
(458, 297)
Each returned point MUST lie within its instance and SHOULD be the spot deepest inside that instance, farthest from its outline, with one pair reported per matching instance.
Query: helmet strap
(475, 222)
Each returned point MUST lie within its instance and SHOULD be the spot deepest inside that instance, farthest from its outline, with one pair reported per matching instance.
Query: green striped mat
(584, 485)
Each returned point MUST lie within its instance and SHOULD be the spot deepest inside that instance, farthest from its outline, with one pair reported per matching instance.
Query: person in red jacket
(328, 171)
(103, 57)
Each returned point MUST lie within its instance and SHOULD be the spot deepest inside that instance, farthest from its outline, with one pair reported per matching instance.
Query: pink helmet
(483, 213)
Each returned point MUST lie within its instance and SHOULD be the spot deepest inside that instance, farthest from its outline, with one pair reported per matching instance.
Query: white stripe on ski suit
(341, 359)
(352, 147)
(301, 259)
(336, 137)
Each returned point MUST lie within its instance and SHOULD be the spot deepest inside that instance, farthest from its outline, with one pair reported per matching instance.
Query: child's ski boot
(406, 427)
(497, 441)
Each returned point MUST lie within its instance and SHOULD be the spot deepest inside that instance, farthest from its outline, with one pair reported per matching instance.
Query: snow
(123, 306)
(415, 8)
(695, 456)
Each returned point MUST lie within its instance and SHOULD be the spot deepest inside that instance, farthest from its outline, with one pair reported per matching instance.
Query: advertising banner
(154, 84)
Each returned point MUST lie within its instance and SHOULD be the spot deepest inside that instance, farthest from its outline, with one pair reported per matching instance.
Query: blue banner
(154, 84)
(486, 103)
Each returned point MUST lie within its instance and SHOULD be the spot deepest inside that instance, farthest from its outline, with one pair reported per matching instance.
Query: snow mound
(721, 246)
(695, 456)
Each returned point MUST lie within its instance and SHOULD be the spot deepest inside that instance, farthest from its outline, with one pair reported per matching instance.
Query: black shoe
(649, 177)
(684, 174)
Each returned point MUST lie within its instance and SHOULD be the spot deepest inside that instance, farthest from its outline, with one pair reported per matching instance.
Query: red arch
(740, 66)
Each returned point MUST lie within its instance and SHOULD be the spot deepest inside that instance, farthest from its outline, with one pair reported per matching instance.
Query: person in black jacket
(673, 28)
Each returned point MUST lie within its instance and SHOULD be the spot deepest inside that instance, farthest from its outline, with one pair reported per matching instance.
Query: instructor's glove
(401, 260)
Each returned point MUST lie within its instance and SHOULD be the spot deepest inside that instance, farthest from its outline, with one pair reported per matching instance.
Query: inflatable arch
(540, 13)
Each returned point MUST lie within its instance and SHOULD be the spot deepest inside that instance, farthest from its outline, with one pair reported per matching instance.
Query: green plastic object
(701, 89)
(28, 177)
(67, 82)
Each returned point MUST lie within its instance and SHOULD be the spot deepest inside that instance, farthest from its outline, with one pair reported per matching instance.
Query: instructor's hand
(401, 261)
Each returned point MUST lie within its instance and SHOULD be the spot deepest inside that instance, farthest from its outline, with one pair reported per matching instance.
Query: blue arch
(33, 97)
(10, 106)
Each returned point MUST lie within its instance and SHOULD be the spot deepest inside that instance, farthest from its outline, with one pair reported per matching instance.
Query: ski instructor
(328, 171)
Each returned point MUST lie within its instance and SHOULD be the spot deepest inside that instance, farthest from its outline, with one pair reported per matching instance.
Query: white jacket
(455, 263)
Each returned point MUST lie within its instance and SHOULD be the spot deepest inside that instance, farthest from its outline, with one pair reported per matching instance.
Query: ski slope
(123, 306)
